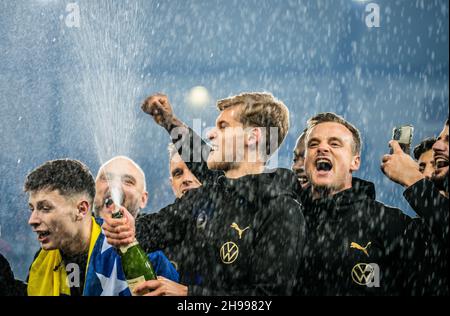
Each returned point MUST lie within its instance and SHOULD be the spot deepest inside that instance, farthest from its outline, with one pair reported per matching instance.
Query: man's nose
(212, 134)
(115, 184)
(323, 148)
(439, 146)
(187, 181)
(34, 219)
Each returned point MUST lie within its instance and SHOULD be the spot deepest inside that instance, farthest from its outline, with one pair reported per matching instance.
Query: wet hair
(424, 146)
(69, 177)
(327, 117)
(260, 109)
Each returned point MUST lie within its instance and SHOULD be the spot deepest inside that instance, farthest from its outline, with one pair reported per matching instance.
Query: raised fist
(159, 108)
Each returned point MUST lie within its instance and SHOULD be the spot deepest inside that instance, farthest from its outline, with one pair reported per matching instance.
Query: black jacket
(432, 206)
(429, 238)
(332, 265)
(8, 285)
(237, 237)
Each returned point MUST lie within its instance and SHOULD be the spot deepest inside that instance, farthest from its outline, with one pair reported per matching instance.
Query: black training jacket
(8, 285)
(429, 239)
(235, 237)
(355, 245)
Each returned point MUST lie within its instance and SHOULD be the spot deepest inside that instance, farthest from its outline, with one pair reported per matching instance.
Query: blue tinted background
(314, 55)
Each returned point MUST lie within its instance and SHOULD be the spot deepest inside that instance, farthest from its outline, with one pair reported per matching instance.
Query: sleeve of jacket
(8, 285)
(277, 252)
(194, 151)
(163, 267)
(414, 268)
(428, 203)
(165, 228)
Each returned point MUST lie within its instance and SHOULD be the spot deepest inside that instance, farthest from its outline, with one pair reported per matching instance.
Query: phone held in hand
(403, 135)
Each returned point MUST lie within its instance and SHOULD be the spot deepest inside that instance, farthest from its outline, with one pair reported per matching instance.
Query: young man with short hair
(423, 153)
(75, 258)
(354, 241)
(242, 231)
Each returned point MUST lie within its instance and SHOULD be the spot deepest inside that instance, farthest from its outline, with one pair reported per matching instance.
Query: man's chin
(48, 246)
(222, 166)
(440, 179)
(322, 182)
(325, 188)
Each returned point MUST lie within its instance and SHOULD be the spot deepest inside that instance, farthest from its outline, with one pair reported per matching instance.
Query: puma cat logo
(240, 231)
(359, 247)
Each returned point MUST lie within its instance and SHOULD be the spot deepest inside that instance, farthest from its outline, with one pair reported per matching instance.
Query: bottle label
(133, 283)
(123, 249)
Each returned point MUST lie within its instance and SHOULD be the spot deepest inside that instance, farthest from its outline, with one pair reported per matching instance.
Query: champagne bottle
(135, 263)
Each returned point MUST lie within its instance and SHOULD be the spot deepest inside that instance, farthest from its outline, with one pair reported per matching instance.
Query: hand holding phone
(403, 135)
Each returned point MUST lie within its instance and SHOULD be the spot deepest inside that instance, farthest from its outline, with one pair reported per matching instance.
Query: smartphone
(403, 135)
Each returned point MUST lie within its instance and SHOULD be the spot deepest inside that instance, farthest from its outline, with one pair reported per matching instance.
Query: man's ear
(83, 209)
(254, 135)
(144, 200)
(356, 163)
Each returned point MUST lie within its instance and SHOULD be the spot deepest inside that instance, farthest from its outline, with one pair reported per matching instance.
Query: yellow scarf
(45, 280)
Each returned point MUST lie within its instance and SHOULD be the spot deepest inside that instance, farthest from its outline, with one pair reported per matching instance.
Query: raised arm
(191, 147)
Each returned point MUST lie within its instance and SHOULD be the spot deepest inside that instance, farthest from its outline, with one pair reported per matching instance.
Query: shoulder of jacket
(385, 212)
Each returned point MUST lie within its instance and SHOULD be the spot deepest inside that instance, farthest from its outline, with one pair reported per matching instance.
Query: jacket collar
(263, 186)
(338, 203)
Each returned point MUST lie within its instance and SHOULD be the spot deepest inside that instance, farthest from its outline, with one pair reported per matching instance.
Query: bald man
(124, 174)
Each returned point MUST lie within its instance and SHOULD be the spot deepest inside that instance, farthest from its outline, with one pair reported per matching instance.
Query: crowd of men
(237, 227)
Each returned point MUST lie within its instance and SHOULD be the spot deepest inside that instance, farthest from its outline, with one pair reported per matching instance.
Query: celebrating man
(75, 258)
(429, 199)
(242, 232)
(124, 176)
(354, 241)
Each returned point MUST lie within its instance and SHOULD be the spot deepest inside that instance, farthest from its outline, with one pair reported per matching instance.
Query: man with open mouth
(61, 193)
(353, 243)
(242, 231)
(429, 199)
(75, 258)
